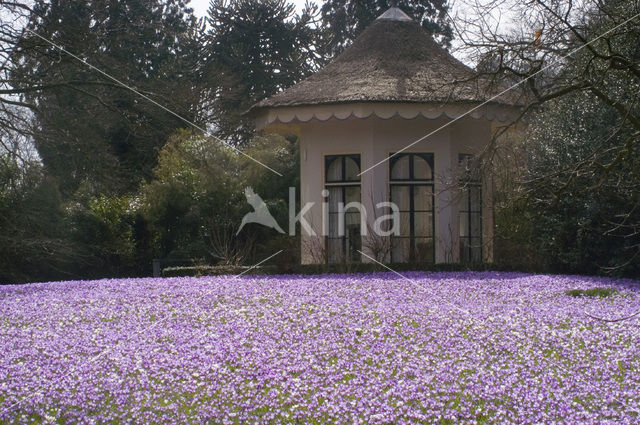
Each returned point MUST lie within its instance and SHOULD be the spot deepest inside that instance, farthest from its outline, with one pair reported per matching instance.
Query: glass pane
(476, 255)
(352, 218)
(423, 198)
(464, 250)
(423, 224)
(400, 167)
(468, 168)
(476, 225)
(464, 200)
(351, 170)
(400, 250)
(335, 253)
(335, 197)
(334, 170)
(352, 193)
(405, 229)
(354, 242)
(470, 250)
(464, 225)
(421, 168)
(400, 196)
(476, 198)
(334, 223)
(475, 248)
(424, 250)
(464, 166)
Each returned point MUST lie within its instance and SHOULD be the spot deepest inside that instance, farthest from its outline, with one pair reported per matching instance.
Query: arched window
(411, 189)
(342, 181)
(470, 211)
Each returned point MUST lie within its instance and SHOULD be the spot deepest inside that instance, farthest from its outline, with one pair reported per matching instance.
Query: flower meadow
(443, 348)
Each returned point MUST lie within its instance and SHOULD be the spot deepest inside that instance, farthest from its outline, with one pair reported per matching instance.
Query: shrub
(198, 271)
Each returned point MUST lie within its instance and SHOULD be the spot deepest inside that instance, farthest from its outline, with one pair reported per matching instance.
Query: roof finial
(394, 13)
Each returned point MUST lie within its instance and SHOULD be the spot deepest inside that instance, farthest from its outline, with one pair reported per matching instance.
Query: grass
(593, 292)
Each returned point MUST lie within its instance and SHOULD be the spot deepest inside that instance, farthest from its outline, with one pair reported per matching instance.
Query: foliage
(343, 20)
(585, 219)
(103, 231)
(83, 212)
(576, 206)
(228, 270)
(32, 232)
(592, 292)
(196, 179)
(86, 126)
(255, 48)
(288, 262)
(196, 203)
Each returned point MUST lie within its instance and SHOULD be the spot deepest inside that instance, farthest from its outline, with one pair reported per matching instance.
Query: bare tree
(558, 48)
(378, 245)
(14, 110)
(225, 245)
(577, 61)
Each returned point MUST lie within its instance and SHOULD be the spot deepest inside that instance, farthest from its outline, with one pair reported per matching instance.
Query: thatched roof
(393, 60)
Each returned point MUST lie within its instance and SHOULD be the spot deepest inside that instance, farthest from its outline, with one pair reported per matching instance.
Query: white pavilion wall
(374, 139)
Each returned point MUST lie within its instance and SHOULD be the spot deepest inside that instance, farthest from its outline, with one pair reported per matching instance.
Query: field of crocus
(370, 348)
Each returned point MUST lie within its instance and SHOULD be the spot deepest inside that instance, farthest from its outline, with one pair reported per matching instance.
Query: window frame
(348, 256)
(469, 182)
(413, 183)
(328, 159)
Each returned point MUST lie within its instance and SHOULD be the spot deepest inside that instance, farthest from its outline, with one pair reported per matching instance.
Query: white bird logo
(260, 214)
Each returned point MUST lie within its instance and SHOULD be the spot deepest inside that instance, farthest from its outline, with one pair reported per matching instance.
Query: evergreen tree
(255, 49)
(88, 128)
(343, 20)
(32, 243)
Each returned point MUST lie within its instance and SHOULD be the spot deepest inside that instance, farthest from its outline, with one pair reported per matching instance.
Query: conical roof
(392, 60)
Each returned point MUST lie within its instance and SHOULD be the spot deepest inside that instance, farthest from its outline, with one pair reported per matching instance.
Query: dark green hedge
(313, 269)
